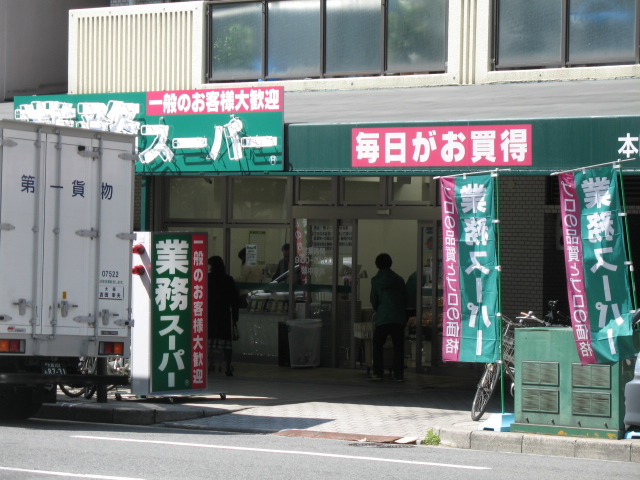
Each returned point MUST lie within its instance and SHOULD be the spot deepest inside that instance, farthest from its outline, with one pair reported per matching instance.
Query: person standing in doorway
(389, 301)
(223, 311)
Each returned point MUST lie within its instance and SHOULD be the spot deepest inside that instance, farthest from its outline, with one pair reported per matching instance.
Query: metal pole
(101, 390)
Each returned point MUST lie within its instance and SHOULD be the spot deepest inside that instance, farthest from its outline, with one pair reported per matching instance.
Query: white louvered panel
(134, 49)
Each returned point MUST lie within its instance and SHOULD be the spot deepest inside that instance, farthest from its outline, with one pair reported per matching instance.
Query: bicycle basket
(508, 340)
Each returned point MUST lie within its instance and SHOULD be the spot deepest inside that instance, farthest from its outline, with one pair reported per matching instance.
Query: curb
(572, 447)
(123, 415)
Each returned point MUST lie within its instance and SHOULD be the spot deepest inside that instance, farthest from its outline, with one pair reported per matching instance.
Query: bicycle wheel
(86, 365)
(72, 391)
(486, 386)
(89, 391)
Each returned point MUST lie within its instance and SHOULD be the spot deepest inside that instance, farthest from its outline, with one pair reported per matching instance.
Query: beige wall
(136, 68)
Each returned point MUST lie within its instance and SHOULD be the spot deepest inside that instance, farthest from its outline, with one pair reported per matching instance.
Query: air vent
(132, 50)
(591, 404)
(538, 400)
(591, 376)
(540, 373)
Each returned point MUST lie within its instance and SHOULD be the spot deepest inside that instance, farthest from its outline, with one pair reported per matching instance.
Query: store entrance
(411, 245)
(337, 262)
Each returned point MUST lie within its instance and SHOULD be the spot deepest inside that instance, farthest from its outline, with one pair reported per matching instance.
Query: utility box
(556, 395)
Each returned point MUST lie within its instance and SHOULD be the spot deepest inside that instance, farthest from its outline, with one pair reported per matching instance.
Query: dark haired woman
(223, 311)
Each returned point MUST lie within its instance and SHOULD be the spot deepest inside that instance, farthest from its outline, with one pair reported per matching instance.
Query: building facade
(566, 71)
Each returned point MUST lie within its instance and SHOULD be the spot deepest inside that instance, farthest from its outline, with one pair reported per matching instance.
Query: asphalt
(340, 404)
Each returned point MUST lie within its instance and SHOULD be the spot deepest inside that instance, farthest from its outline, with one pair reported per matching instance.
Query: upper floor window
(279, 39)
(565, 33)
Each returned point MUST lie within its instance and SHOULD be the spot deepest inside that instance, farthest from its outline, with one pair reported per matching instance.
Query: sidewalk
(335, 403)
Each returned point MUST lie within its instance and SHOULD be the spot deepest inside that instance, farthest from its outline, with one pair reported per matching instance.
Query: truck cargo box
(66, 229)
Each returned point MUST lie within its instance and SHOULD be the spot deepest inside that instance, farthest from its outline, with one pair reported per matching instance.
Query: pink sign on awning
(450, 146)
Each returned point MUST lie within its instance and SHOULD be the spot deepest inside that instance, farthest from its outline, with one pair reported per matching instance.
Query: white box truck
(66, 232)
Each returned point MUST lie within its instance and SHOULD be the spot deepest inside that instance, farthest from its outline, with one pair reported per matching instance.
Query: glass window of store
(362, 191)
(334, 252)
(426, 327)
(195, 198)
(261, 199)
(215, 237)
(324, 249)
(195, 204)
(255, 255)
(409, 190)
(315, 190)
(235, 212)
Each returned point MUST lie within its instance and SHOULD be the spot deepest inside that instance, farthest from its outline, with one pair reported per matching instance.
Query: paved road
(44, 449)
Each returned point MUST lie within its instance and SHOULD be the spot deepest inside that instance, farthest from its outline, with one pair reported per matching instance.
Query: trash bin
(304, 342)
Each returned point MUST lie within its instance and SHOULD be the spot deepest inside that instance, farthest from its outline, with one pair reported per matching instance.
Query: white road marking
(289, 452)
(68, 475)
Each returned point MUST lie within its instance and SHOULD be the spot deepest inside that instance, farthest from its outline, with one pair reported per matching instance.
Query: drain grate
(380, 445)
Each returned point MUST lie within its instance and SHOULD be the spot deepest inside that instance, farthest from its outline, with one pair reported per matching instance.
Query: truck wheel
(28, 410)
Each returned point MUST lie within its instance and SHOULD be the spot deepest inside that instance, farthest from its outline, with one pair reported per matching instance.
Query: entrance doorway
(345, 308)
(412, 247)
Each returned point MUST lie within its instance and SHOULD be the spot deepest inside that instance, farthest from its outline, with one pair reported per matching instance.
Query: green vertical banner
(178, 313)
(471, 324)
(596, 265)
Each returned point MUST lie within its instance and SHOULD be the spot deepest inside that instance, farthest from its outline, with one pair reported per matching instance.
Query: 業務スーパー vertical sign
(471, 326)
(179, 308)
(596, 265)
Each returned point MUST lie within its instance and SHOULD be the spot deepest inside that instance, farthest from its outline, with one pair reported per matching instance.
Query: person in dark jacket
(283, 264)
(223, 311)
(389, 301)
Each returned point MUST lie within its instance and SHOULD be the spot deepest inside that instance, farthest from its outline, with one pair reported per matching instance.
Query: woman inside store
(223, 313)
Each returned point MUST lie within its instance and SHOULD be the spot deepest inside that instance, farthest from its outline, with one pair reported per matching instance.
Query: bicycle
(491, 374)
(86, 366)
(118, 366)
(555, 317)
